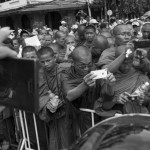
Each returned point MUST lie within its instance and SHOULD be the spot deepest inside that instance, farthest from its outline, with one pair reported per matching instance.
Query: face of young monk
(30, 55)
(89, 35)
(123, 35)
(47, 61)
(146, 31)
(126, 66)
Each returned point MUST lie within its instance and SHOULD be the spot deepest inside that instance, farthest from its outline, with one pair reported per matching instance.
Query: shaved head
(59, 34)
(146, 25)
(119, 28)
(100, 42)
(54, 47)
(81, 53)
(106, 34)
(81, 29)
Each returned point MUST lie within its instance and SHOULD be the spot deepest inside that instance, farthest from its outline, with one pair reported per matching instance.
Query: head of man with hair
(47, 58)
(60, 38)
(82, 59)
(122, 34)
(24, 34)
(146, 31)
(90, 32)
(29, 52)
(127, 64)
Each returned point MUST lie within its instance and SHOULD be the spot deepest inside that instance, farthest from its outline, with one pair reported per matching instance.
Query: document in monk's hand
(19, 84)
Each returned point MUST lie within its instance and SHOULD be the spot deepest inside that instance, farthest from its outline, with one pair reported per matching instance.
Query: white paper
(33, 41)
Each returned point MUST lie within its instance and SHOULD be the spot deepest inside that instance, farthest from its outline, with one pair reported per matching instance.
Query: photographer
(6, 119)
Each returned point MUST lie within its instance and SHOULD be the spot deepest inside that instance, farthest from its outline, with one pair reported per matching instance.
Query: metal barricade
(92, 114)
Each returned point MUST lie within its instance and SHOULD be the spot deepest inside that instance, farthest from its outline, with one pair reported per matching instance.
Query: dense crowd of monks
(65, 74)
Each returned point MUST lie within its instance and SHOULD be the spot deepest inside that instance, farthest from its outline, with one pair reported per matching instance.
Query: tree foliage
(126, 6)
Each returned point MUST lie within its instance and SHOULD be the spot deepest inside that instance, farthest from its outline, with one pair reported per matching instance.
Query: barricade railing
(92, 114)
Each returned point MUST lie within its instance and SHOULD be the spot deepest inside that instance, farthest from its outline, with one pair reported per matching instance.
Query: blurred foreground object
(117, 133)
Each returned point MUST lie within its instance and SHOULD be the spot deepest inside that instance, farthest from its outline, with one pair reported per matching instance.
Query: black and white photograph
(74, 74)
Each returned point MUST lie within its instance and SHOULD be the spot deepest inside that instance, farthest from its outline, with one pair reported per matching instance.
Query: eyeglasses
(125, 33)
(83, 66)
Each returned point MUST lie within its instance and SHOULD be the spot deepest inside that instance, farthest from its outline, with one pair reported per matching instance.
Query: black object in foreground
(19, 84)
(117, 133)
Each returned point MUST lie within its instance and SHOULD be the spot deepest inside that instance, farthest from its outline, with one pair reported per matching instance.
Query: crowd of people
(66, 83)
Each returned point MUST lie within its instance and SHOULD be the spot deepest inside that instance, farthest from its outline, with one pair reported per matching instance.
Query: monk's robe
(60, 124)
(96, 53)
(107, 57)
(72, 79)
(89, 46)
(126, 83)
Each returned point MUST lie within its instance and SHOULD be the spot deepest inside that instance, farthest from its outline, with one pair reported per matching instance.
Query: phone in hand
(100, 74)
(132, 97)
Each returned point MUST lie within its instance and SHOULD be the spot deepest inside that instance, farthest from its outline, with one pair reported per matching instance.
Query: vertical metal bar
(36, 132)
(22, 128)
(26, 128)
(22, 145)
(92, 115)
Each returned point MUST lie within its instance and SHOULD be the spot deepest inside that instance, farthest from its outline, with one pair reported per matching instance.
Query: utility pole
(89, 9)
(105, 8)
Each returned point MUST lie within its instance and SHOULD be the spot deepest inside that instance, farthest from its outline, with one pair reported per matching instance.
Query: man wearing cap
(94, 23)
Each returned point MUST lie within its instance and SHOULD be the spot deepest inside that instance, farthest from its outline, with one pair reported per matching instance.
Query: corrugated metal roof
(56, 5)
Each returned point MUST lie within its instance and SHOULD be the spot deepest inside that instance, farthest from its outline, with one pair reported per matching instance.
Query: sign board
(109, 12)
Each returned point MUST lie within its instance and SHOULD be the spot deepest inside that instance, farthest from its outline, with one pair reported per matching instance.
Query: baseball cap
(135, 23)
(93, 21)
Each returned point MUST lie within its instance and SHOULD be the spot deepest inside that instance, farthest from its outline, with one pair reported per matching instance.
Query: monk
(128, 79)
(60, 125)
(60, 42)
(80, 87)
(100, 43)
(29, 52)
(122, 36)
(110, 38)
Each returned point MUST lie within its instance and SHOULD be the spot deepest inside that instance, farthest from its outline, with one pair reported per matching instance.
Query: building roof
(56, 5)
(51, 6)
